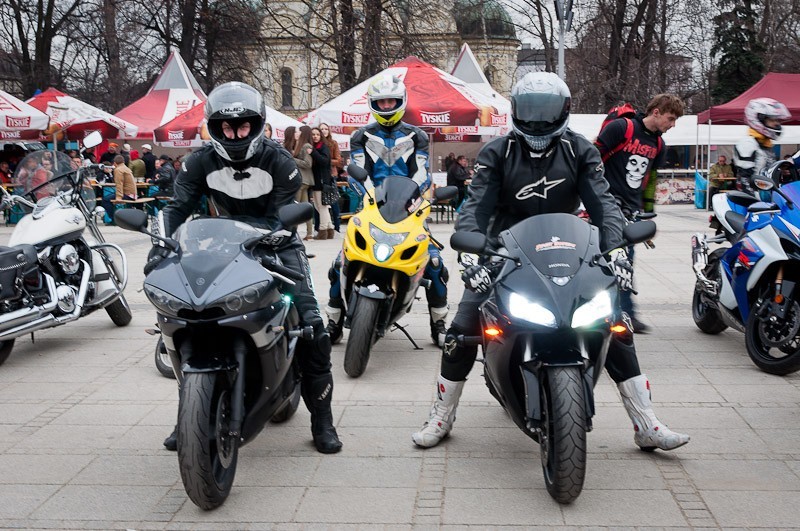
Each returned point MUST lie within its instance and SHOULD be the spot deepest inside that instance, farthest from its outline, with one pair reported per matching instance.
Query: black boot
(317, 394)
(171, 442)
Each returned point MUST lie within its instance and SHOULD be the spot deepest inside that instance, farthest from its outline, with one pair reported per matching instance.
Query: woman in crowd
(321, 165)
(337, 165)
(298, 143)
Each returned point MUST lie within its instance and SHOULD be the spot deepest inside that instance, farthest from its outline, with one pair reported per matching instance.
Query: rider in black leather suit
(242, 173)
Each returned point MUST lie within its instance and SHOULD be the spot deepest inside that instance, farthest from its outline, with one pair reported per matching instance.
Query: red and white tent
(189, 130)
(437, 101)
(77, 118)
(18, 120)
(174, 92)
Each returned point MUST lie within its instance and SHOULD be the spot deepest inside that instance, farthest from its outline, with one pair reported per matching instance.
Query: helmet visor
(537, 107)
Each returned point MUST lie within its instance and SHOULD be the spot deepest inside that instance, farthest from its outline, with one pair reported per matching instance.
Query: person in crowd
(126, 153)
(137, 166)
(628, 161)
(449, 160)
(753, 154)
(165, 176)
(75, 162)
(321, 166)
(298, 143)
(245, 174)
(5, 172)
(149, 160)
(457, 176)
(540, 146)
(337, 165)
(720, 176)
(110, 154)
(124, 180)
(386, 147)
(268, 130)
(177, 164)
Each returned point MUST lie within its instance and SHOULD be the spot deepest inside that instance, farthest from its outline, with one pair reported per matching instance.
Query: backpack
(627, 111)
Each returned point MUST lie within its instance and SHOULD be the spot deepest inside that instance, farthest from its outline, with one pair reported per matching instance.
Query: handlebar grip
(285, 271)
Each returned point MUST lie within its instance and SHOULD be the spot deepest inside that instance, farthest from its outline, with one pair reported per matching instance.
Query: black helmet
(235, 103)
(540, 103)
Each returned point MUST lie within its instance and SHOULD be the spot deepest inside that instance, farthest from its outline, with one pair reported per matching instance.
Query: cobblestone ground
(83, 412)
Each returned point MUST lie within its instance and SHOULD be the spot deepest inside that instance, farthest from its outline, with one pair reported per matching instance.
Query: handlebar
(273, 265)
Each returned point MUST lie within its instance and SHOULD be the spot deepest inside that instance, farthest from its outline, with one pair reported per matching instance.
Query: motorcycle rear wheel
(163, 361)
(563, 438)
(207, 455)
(5, 349)
(362, 336)
(708, 319)
(772, 360)
(119, 311)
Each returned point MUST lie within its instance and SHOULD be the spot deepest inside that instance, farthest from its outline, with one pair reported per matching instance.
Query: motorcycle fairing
(554, 245)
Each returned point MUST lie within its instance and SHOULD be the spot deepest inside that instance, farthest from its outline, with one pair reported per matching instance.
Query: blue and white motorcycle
(751, 285)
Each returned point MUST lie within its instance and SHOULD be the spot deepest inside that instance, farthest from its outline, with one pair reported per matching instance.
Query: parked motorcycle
(230, 331)
(750, 286)
(547, 326)
(385, 252)
(57, 266)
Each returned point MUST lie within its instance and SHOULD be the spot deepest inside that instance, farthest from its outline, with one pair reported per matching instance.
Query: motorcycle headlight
(244, 300)
(164, 301)
(382, 251)
(535, 313)
(389, 238)
(597, 308)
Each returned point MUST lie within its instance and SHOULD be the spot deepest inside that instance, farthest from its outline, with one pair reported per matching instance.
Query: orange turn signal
(492, 332)
(619, 328)
(779, 298)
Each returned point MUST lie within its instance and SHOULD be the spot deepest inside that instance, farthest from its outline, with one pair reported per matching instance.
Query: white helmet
(387, 87)
(540, 104)
(760, 109)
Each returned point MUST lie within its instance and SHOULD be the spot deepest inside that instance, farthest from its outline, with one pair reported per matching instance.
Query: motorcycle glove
(278, 238)
(622, 268)
(477, 278)
(467, 260)
(154, 257)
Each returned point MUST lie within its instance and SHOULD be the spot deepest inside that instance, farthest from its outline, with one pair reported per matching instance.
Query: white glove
(477, 278)
(622, 268)
(467, 260)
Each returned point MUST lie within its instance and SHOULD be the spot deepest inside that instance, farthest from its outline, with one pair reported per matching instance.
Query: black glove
(622, 269)
(277, 239)
(477, 278)
(154, 257)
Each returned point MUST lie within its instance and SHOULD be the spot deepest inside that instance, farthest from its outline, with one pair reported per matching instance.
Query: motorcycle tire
(5, 349)
(362, 336)
(163, 361)
(707, 319)
(563, 439)
(287, 411)
(786, 363)
(207, 456)
(119, 311)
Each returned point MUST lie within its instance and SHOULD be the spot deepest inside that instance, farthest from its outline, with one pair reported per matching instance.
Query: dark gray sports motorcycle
(230, 332)
(547, 325)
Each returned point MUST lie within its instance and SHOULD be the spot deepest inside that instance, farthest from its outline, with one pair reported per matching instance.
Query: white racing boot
(650, 433)
(443, 414)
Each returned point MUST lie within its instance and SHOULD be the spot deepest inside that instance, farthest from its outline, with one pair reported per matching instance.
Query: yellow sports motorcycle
(384, 256)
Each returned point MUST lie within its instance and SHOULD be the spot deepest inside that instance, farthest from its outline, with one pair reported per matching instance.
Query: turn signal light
(779, 298)
(492, 332)
(619, 328)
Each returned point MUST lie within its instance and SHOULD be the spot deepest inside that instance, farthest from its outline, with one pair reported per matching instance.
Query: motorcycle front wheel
(163, 361)
(563, 439)
(5, 349)
(362, 336)
(207, 455)
(782, 359)
(119, 311)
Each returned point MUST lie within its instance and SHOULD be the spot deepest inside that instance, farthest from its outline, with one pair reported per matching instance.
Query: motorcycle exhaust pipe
(51, 320)
(22, 315)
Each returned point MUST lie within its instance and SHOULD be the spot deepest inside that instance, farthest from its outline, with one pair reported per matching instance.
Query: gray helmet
(235, 103)
(540, 103)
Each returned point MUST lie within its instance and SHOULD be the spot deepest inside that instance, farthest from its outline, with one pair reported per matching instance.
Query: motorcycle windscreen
(208, 246)
(397, 197)
(45, 174)
(554, 243)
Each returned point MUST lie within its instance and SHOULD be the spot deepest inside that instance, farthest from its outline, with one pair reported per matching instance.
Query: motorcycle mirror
(639, 231)
(294, 214)
(131, 219)
(444, 193)
(357, 172)
(92, 139)
(468, 242)
(762, 183)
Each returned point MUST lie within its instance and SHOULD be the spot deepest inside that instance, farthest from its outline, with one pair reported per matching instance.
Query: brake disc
(775, 334)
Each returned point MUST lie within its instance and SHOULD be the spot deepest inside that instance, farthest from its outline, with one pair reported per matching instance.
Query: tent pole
(708, 166)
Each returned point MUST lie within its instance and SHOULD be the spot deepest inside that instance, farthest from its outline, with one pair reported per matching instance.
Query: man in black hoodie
(149, 162)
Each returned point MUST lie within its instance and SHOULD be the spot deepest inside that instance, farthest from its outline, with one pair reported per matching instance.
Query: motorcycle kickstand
(402, 329)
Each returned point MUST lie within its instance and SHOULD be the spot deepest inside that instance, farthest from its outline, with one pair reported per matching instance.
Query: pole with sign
(564, 17)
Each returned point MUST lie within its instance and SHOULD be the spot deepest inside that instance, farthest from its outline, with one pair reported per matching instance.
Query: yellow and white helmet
(387, 87)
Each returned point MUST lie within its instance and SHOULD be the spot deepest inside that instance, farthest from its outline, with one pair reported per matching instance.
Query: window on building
(286, 89)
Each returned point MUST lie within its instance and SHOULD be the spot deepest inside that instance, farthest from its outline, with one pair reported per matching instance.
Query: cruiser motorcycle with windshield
(230, 329)
(547, 325)
(751, 285)
(56, 267)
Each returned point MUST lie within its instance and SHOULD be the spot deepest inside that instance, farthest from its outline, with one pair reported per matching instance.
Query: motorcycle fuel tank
(56, 224)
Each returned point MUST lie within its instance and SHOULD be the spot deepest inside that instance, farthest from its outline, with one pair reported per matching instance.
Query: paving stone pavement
(84, 411)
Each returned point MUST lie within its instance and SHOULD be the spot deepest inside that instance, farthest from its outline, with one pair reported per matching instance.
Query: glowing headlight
(164, 301)
(382, 252)
(244, 300)
(522, 308)
(389, 238)
(597, 308)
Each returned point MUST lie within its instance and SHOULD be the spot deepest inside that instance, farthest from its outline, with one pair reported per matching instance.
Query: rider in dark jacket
(541, 167)
(244, 174)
